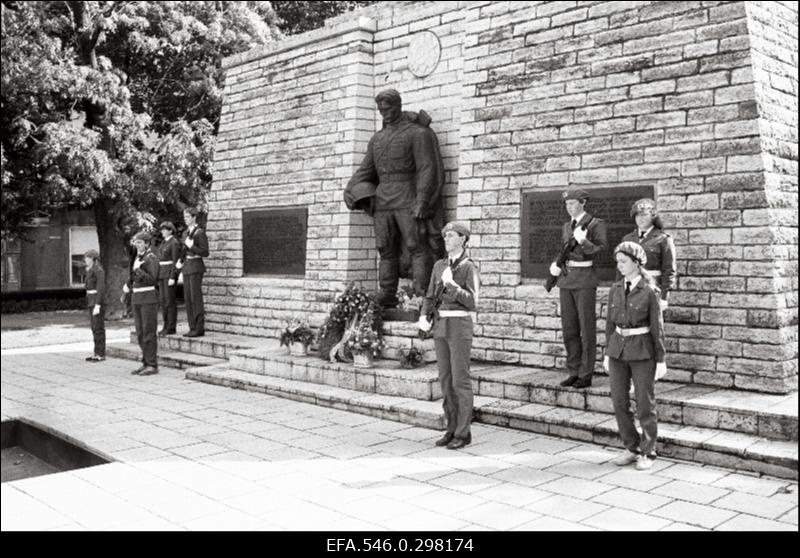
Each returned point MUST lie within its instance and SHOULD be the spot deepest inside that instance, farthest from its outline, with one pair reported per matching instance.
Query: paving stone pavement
(191, 456)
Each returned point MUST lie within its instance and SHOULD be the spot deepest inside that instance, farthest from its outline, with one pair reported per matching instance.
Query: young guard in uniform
(95, 299)
(168, 254)
(657, 244)
(144, 300)
(192, 266)
(635, 352)
(453, 288)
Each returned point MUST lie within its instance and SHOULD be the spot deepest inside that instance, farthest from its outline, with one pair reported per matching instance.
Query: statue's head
(390, 105)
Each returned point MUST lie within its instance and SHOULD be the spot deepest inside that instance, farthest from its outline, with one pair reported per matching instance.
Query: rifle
(563, 256)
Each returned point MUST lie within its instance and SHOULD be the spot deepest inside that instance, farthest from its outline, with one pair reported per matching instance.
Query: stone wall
(697, 99)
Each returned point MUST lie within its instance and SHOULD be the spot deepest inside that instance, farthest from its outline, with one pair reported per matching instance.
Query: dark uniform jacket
(403, 159)
(193, 257)
(168, 254)
(639, 309)
(465, 275)
(660, 250)
(144, 278)
(583, 277)
(95, 281)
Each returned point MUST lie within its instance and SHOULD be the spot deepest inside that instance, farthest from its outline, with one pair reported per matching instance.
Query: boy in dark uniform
(144, 300)
(577, 285)
(195, 248)
(95, 300)
(168, 254)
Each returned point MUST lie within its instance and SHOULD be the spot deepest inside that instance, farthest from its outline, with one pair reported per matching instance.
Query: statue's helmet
(358, 195)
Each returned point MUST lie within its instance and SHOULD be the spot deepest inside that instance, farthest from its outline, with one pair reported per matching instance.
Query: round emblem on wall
(423, 53)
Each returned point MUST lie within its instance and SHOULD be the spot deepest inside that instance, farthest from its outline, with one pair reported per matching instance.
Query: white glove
(555, 271)
(661, 370)
(579, 234)
(189, 242)
(137, 263)
(171, 282)
(447, 276)
(179, 264)
(663, 304)
(605, 363)
(125, 288)
(96, 310)
(423, 324)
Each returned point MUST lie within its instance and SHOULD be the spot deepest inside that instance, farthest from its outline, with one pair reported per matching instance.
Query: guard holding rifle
(582, 237)
(452, 296)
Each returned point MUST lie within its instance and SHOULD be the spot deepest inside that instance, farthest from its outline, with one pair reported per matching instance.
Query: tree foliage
(299, 17)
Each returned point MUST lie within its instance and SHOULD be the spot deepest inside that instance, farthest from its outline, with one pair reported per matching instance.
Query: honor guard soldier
(95, 300)
(144, 301)
(657, 244)
(169, 253)
(582, 238)
(195, 248)
(451, 299)
(635, 352)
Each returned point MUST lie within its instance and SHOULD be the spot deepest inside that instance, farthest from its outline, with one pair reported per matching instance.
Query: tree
(298, 17)
(114, 105)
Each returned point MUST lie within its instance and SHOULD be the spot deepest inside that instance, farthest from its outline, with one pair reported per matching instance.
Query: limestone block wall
(695, 98)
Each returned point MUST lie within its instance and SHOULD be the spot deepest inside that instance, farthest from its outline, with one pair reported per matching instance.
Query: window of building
(81, 239)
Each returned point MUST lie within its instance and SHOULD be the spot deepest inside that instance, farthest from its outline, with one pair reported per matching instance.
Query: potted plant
(410, 358)
(297, 336)
(365, 345)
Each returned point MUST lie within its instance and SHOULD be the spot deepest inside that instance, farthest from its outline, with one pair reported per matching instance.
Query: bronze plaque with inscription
(274, 241)
(543, 215)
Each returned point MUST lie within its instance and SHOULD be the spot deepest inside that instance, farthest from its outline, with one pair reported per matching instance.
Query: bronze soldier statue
(404, 169)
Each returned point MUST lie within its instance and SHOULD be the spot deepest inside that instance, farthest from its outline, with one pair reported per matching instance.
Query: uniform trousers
(643, 374)
(579, 327)
(98, 323)
(169, 308)
(145, 318)
(452, 338)
(193, 295)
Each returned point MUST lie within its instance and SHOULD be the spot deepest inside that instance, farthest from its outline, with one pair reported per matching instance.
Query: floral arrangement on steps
(353, 310)
(297, 336)
(363, 338)
(410, 358)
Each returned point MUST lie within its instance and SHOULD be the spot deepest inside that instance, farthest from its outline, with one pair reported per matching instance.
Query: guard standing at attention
(195, 245)
(169, 253)
(95, 300)
(583, 236)
(658, 246)
(144, 301)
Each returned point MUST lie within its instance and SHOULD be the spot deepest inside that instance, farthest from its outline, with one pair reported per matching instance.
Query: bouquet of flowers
(365, 340)
(351, 309)
(410, 358)
(409, 301)
(297, 332)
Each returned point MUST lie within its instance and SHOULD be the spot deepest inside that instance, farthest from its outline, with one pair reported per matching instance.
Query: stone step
(764, 415)
(703, 445)
(388, 378)
(215, 345)
(173, 359)
(404, 335)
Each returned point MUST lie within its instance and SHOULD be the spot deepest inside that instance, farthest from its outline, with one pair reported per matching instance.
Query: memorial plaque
(544, 214)
(274, 241)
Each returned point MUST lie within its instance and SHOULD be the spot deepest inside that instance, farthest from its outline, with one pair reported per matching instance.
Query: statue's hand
(422, 212)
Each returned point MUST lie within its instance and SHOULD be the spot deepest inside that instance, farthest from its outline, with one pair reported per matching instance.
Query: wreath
(354, 312)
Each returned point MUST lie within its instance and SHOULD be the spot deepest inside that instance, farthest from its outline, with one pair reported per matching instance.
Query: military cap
(191, 211)
(458, 227)
(92, 253)
(644, 204)
(392, 96)
(632, 250)
(167, 225)
(575, 194)
(357, 196)
(144, 236)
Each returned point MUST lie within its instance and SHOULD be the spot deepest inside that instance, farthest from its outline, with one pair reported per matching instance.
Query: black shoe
(171, 332)
(138, 370)
(162, 333)
(569, 381)
(458, 443)
(200, 333)
(583, 383)
(191, 334)
(149, 371)
(444, 440)
(95, 358)
(386, 300)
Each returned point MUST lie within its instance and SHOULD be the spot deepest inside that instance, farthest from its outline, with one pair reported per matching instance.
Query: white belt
(454, 314)
(143, 289)
(654, 272)
(165, 263)
(91, 291)
(193, 257)
(633, 331)
(571, 263)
